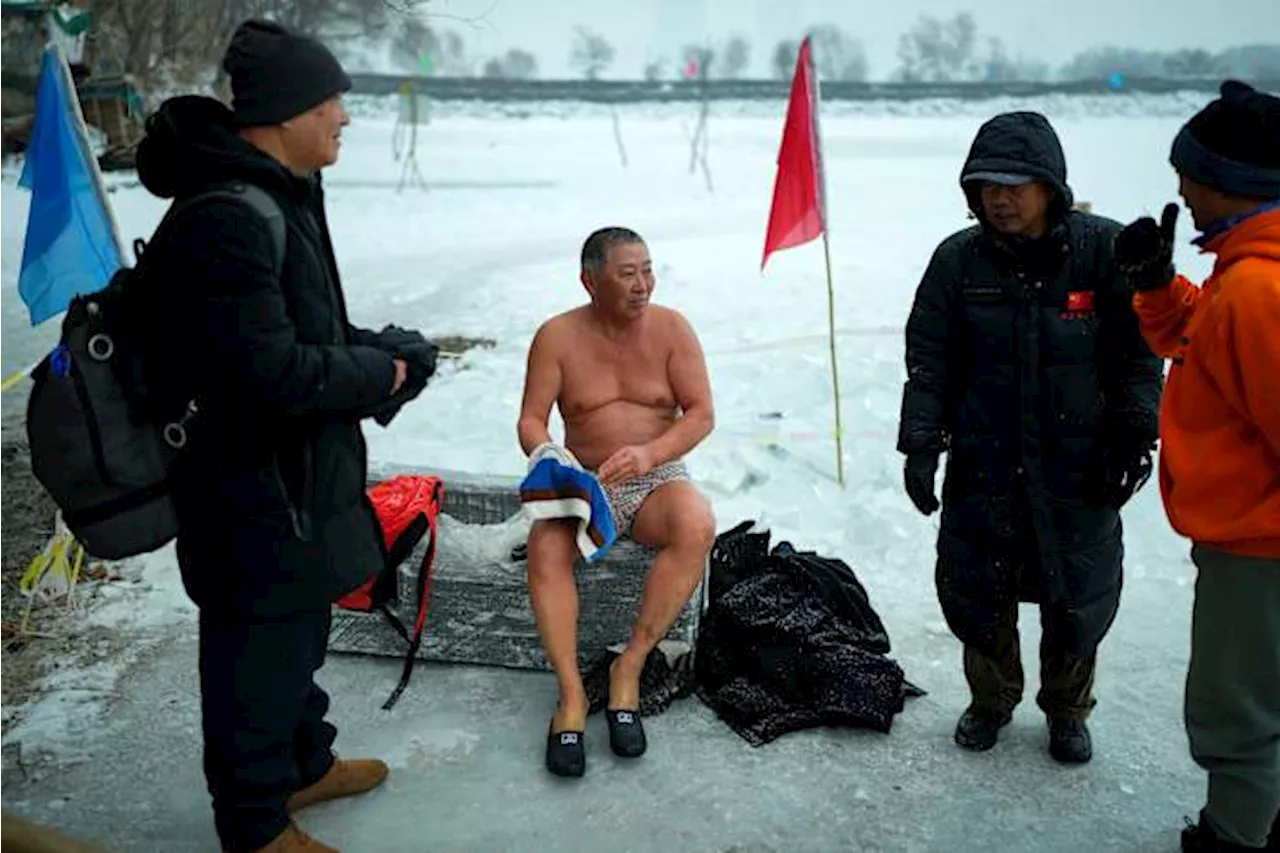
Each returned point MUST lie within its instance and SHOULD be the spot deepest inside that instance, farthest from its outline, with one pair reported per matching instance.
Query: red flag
(797, 213)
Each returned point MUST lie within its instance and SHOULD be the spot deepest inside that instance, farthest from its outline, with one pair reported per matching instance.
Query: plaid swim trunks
(625, 498)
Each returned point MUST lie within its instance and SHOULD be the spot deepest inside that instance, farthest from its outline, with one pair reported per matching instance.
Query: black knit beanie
(277, 74)
(1233, 144)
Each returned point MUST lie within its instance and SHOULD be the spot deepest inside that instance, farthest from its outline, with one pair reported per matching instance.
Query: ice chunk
(483, 543)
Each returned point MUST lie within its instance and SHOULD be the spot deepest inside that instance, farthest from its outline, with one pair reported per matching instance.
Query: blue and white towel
(557, 486)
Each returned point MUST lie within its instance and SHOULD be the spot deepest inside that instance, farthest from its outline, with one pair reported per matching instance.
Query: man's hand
(629, 462)
(1124, 464)
(402, 373)
(1144, 251)
(918, 474)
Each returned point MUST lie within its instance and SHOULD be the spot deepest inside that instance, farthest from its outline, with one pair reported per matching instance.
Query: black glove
(918, 474)
(1125, 463)
(1144, 251)
(393, 337)
(421, 359)
(419, 356)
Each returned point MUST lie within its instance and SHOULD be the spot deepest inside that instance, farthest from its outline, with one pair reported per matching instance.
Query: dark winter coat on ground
(271, 494)
(790, 641)
(1025, 363)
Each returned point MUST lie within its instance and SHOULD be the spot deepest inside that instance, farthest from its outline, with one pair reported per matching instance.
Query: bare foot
(571, 715)
(624, 685)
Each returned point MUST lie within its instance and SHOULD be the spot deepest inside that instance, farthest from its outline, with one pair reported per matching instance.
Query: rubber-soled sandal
(626, 733)
(566, 753)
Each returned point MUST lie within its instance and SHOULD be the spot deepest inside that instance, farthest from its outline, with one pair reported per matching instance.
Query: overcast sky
(645, 30)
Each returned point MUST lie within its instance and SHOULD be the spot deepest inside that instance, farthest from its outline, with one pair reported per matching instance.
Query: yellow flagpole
(835, 363)
(826, 253)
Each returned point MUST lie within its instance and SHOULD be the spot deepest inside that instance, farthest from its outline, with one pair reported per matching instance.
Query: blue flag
(70, 245)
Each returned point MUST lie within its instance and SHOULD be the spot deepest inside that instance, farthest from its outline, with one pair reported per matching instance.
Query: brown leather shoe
(344, 779)
(294, 840)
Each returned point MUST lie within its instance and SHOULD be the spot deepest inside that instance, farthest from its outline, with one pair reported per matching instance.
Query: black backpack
(101, 444)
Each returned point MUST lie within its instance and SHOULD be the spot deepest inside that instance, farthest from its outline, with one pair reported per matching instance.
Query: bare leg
(554, 596)
(677, 520)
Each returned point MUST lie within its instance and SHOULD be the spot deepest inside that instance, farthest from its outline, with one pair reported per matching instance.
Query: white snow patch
(149, 595)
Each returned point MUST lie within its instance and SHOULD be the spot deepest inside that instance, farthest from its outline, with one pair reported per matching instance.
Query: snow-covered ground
(490, 249)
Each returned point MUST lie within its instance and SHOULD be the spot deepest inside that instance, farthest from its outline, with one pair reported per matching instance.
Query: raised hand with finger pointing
(1144, 251)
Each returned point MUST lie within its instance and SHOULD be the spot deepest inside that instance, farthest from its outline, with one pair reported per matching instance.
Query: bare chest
(598, 372)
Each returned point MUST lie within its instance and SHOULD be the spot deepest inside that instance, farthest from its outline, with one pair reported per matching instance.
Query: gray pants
(1233, 692)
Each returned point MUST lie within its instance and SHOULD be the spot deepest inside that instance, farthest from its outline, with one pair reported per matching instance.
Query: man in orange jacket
(1220, 449)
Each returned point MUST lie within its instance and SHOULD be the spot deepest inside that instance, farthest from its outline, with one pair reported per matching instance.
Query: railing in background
(636, 91)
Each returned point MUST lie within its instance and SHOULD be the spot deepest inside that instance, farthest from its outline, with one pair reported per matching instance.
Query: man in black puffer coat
(1026, 366)
(271, 494)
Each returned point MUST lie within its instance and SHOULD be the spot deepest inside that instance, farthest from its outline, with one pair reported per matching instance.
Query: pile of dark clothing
(662, 681)
(789, 641)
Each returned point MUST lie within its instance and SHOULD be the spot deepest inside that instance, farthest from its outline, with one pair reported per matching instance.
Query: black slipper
(566, 755)
(626, 734)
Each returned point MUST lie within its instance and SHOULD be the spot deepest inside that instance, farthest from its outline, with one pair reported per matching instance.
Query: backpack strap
(265, 206)
(254, 197)
(432, 512)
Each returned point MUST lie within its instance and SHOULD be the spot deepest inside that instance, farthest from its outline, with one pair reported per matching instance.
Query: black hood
(1023, 143)
(191, 143)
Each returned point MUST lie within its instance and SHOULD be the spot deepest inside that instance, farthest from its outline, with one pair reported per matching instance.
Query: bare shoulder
(674, 327)
(555, 330)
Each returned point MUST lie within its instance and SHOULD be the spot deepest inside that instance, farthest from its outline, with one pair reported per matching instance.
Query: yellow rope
(58, 564)
(13, 380)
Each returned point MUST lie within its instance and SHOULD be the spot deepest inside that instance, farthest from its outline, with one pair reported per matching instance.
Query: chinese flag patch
(1079, 301)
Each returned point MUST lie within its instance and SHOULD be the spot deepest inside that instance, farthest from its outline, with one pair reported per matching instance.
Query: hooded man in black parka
(275, 521)
(1026, 366)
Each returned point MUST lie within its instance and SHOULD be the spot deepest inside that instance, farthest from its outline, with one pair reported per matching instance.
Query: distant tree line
(933, 50)
(179, 42)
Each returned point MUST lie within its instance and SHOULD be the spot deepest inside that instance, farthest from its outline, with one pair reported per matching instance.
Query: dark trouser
(1233, 692)
(1066, 681)
(264, 730)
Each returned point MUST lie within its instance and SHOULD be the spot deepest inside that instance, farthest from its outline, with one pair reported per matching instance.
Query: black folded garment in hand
(419, 356)
(1125, 463)
(421, 359)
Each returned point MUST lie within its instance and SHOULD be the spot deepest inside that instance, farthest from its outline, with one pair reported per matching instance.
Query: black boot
(1069, 741)
(1202, 839)
(979, 728)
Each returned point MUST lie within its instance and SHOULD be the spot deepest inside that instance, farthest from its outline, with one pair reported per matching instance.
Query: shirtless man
(631, 384)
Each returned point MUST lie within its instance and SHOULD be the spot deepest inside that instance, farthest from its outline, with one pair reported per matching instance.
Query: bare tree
(1254, 61)
(1099, 63)
(418, 44)
(935, 50)
(1194, 63)
(702, 57)
(515, 64)
(591, 53)
(737, 56)
(655, 70)
(837, 56)
(178, 41)
(1002, 68)
(414, 42)
(784, 58)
